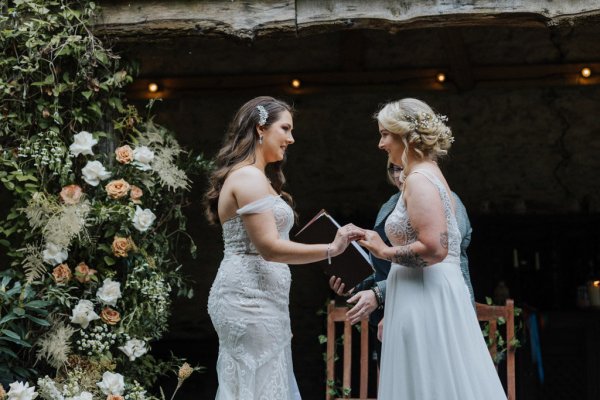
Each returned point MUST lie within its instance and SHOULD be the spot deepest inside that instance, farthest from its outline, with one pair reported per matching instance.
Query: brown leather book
(353, 265)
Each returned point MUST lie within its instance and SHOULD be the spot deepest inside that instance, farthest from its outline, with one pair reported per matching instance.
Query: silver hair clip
(263, 115)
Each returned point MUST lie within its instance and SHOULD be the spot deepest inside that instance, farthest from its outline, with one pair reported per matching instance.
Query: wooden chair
(490, 314)
(485, 313)
(338, 314)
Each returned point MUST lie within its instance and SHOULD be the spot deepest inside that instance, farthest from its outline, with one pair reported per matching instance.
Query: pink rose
(124, 154)
(62, 274)
(83, 273)
(71, 194)
(117, 189)
(136, 194)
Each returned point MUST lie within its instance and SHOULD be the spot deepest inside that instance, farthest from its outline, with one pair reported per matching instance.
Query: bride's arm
(249, 186)
(426, 214)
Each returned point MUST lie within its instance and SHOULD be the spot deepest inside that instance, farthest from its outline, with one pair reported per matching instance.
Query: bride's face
(392, 144)
(277, 137)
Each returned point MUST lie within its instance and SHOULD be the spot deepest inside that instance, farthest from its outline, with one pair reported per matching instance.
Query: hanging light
(153, 87)
(295, 83)
(440, 77)
(586, 72)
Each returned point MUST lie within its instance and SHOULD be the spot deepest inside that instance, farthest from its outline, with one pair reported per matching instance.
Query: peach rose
(124, 154)
(114, 397)
(121, 246)
(136, 194)
(117, 189)
(110, 316)
(62, 273)
(71, 194)
(83, 273)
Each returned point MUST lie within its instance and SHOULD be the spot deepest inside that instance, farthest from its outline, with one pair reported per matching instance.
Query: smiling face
(277, 137)
(392, 144)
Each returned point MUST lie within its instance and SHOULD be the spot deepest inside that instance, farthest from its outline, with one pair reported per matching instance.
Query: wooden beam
(419, 79)
(248, 19)
(243, 19)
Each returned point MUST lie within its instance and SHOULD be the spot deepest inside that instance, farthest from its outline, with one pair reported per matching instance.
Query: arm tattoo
(407, 257)
(444, 239)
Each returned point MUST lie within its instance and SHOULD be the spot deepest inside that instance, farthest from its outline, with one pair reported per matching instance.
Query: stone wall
(518, 151)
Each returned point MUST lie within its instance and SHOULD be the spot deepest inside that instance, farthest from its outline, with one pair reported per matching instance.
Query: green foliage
(58, 80)
(22, 316)
(502, 346)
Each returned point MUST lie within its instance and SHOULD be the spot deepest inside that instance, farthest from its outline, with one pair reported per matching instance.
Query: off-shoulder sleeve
(258, 206)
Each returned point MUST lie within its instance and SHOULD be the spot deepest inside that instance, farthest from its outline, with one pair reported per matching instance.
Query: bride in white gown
(248, 302)
(433, 348)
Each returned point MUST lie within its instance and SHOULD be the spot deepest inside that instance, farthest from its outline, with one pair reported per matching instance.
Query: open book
(352, 266)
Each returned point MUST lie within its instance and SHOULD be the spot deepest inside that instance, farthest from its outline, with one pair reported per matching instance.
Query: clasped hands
(364, 302)
(366, 238)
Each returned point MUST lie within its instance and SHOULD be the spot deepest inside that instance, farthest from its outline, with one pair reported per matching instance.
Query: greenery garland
(96, 192)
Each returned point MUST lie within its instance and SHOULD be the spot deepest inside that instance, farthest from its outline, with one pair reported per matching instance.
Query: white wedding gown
(433, 348)
(249, 308)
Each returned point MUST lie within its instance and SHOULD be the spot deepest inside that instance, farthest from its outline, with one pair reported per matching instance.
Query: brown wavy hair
(239, 145)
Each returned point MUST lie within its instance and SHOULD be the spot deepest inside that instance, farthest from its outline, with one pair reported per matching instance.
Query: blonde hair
(418, 126)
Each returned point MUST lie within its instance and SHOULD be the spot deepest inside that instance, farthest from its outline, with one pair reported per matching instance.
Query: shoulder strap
(440, 187)
(258, 206)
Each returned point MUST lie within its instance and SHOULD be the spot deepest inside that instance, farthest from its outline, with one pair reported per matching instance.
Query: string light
(586, 72)
(152, 87)
(295, 83)
(440, 77)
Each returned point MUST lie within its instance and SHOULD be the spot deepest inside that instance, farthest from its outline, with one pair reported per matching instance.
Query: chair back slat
(338, 314)
(485, 313)
(490, 314)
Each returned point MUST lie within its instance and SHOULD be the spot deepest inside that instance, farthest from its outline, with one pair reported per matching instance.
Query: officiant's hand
(338, 286)
(344, 236)
(364, 304)
(373, 243)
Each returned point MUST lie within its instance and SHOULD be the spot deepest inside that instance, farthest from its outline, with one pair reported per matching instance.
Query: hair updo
(419, 127)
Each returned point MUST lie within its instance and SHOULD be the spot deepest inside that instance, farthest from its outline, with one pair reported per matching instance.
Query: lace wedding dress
(249, 308)
(433, 348)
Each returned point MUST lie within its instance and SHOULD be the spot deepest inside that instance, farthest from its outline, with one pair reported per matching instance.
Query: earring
(260, 140)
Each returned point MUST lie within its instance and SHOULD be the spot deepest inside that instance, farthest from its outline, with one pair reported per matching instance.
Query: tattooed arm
(426, 213)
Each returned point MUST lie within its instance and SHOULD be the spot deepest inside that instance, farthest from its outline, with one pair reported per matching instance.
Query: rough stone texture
(524, 149)
(506, 153)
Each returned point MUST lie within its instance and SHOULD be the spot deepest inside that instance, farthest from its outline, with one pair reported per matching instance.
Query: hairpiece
(425, 121)
(263, 115)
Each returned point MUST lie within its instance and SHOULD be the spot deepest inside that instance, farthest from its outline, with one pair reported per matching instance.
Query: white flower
(110, 292)
(94, 172)
(143, 156)
(143, 219)
(47, 389)
(112, 383)
(83, 313)
(82, 144)
(21, 391)
(134, 348)
(82, 396)
(54, 254)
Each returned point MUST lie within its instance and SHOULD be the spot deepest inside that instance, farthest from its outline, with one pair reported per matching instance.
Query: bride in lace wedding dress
(433, 348)
(248, 301)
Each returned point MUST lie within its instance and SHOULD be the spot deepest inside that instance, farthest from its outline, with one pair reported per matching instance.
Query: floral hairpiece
(425, 121)
(263, 115)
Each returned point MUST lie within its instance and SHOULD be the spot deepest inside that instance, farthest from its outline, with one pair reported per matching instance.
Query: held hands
(380, 330)
(373, 242)
(364, 304)
(344, 236)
